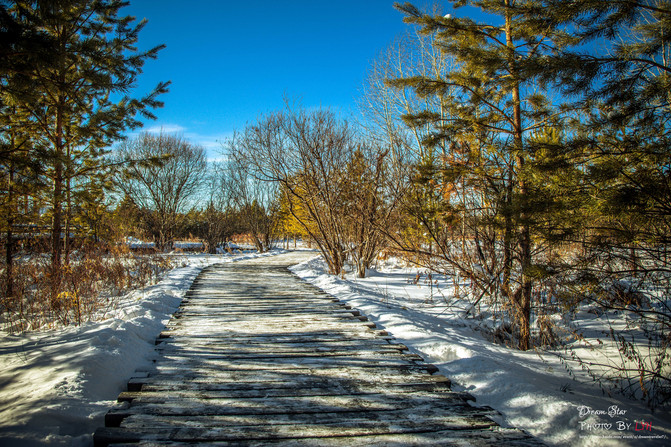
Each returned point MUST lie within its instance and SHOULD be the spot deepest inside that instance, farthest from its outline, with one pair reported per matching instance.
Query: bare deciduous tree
(256, 200)
(332, 183)
(163, 175)
(304, 152)
(218, 221)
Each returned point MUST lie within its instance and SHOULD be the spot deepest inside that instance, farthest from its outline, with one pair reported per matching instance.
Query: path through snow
(57, 385)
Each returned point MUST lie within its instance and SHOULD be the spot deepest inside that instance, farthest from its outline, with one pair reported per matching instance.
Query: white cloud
(165, 128)
(212, 143)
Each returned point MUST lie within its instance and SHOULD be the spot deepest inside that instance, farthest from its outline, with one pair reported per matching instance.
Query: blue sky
(230, 61)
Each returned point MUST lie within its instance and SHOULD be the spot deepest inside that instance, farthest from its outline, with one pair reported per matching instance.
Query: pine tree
(19, 174)
(24, 49)
(615, 71)
(289, 225)
(622, 141)
(94, 62)
(491, 90)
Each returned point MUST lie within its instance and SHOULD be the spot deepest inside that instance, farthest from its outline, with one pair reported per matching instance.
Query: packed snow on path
(530, 390)
(57, 385)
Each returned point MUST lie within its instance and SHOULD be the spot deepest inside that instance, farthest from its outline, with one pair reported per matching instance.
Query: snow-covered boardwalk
(256, 356)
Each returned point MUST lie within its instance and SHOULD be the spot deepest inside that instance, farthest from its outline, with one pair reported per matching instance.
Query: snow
(530, 390)
(186, 245)
(57, 385)
(136, 243)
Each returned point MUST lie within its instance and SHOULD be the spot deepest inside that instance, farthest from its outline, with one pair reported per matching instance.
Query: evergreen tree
(24, 49)
(622, 140)
(126, 220)
(491, 91)
(81, 101)
(616, 72)
(289, 225)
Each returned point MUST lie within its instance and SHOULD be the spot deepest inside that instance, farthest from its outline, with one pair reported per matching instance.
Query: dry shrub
(87, 285)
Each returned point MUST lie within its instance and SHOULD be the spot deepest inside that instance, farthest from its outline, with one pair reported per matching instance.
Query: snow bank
(532, 391)
(136, 243)
(56, 386)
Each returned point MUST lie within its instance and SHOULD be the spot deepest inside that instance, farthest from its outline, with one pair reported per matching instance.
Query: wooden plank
(272, 343)
(272, 321)
(277, 384)
(494, 436)
(298, 402)
(235, 344)
(246, 310)
(416, 374)
(357, 428)
(287, 389)
(432, 436)
(287, 337)
(333, 421)
(280, 364)
(352, 333)
(279, 305)
(282, 350)
(374, 354)
(250, 327)
(303, 405)
(309, 366)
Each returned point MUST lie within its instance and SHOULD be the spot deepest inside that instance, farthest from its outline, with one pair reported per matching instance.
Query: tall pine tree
(491, 91)
(616, 72)
(83, 103)
(24, 48)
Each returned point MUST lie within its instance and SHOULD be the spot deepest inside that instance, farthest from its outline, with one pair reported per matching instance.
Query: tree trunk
(266, 241)
(524, 304)
(507, 238)
(525, 301)
(257, 243)
(361, 268)
(56, 222)
(9, 243)
(633, 259)
(68, 217)
(211, 247)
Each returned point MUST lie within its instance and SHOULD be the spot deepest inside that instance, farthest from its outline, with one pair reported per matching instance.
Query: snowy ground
(532, 390)
(56, 386)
